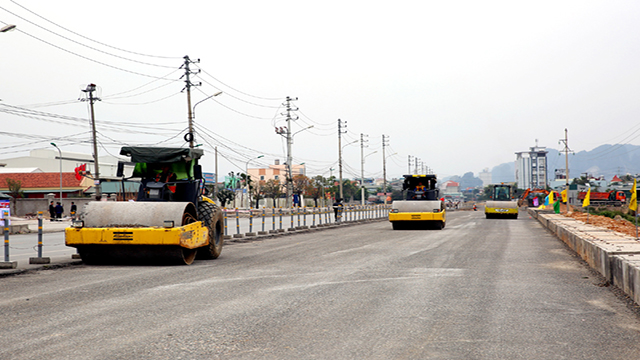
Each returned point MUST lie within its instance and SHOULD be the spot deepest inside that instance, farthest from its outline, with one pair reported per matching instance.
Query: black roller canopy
(155, 155)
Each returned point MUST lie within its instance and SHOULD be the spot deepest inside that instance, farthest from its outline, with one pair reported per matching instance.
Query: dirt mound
(621, 225)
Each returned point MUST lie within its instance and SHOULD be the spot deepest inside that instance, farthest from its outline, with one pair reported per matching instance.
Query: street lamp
(362, 178)
(60, 157)
(207, 98)
(384, 172)
(193, 116)
(246, 173)
(7, 28)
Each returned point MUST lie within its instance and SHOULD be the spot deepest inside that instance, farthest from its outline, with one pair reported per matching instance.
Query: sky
(460, 85)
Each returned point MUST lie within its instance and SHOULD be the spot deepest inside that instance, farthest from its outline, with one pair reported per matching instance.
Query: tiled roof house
(38, 185)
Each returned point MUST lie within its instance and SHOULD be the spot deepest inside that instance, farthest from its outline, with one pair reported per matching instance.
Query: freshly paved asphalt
(479, 289)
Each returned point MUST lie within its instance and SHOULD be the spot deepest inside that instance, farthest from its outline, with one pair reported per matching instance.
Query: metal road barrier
(7, 264)
(299, 218)
(5, 228)
(39, 259)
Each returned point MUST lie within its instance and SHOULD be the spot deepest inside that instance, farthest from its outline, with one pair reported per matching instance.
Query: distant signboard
(209, 178)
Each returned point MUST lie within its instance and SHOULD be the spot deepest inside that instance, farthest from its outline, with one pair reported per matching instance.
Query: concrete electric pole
(385, 142)
(91, 99)
(286, 132)
(340, 132)
(189, 137)
(566, 152)
(362, 146)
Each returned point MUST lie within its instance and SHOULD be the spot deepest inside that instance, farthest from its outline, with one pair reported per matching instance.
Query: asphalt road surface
(479, 289)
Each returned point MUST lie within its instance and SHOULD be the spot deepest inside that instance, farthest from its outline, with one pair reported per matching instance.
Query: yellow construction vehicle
(169, 223)
(421, 205)
(502, 203)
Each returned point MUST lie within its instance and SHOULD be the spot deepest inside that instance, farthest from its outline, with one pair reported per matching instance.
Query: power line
(142, 103)
(77, 42)
(236, 111)
(241, 92)
(93, 60)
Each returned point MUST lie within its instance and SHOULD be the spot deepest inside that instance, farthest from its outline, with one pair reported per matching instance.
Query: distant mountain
(606, 160)
(467, 180)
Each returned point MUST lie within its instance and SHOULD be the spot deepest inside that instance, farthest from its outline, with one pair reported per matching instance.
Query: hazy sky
(462, 85)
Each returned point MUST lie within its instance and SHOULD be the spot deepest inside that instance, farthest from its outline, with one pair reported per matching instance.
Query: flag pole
(587, 214)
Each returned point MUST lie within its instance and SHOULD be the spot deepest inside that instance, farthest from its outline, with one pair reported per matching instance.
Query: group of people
(56, 211)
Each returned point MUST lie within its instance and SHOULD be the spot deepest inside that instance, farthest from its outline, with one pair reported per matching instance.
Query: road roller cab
(170, 221)
(501, 203)
(421, 206)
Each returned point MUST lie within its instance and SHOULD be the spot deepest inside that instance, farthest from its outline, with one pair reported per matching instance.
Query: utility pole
(566, 152)
(362, 146)
(189, 137)
(385, 140)
(340, 132)
(215, 175)
(289, 184)
(89, 90)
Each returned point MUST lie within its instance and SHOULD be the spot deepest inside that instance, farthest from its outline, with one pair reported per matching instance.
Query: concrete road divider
(614, 255)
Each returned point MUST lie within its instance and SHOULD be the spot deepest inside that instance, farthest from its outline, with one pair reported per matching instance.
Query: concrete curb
(614, 255)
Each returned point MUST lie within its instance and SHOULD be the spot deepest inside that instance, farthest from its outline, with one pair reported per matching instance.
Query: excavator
(523, 200)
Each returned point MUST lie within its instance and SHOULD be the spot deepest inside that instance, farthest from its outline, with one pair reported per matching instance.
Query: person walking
(59, 211)
(73, 210)
(52, 212)
(337, 209)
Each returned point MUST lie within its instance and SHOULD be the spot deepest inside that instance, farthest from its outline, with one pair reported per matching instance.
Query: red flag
(80, 171)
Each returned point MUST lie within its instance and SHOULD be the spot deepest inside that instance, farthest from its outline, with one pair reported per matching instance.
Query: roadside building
(38, 185)
(485, 176)
(531, 168)
(49, 161)
(275, 171)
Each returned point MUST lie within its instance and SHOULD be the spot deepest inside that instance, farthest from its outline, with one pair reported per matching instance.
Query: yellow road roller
(170, 221)
(421, 206)
(502, 203)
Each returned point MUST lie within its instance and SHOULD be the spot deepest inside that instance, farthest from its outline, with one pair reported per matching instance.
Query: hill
(607, 160)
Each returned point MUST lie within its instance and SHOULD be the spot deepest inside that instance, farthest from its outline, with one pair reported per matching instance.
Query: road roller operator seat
(167, 174)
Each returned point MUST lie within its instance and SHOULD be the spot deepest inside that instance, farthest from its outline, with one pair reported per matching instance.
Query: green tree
(582, 180)
(272, 189)
(257, 192)
(225, 196)
(332, 187)
(300, 184)
(627, 178)
(316, 188)
(396, 195)
(15, 188)
(15, 191)
(348, 189)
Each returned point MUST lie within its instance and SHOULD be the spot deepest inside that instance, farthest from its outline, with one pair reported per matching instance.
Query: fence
(240, 223)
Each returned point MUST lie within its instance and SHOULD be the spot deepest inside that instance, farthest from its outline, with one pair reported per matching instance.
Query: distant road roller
(502, 203)
(421, 206)
(170, 222)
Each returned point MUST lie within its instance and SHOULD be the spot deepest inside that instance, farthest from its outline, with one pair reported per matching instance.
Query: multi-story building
(531, 168)
(276, 172)
(485, 176)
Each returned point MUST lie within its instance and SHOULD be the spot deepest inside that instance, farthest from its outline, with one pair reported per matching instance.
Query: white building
(531, 168)
(49, 161)
(485, 176)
